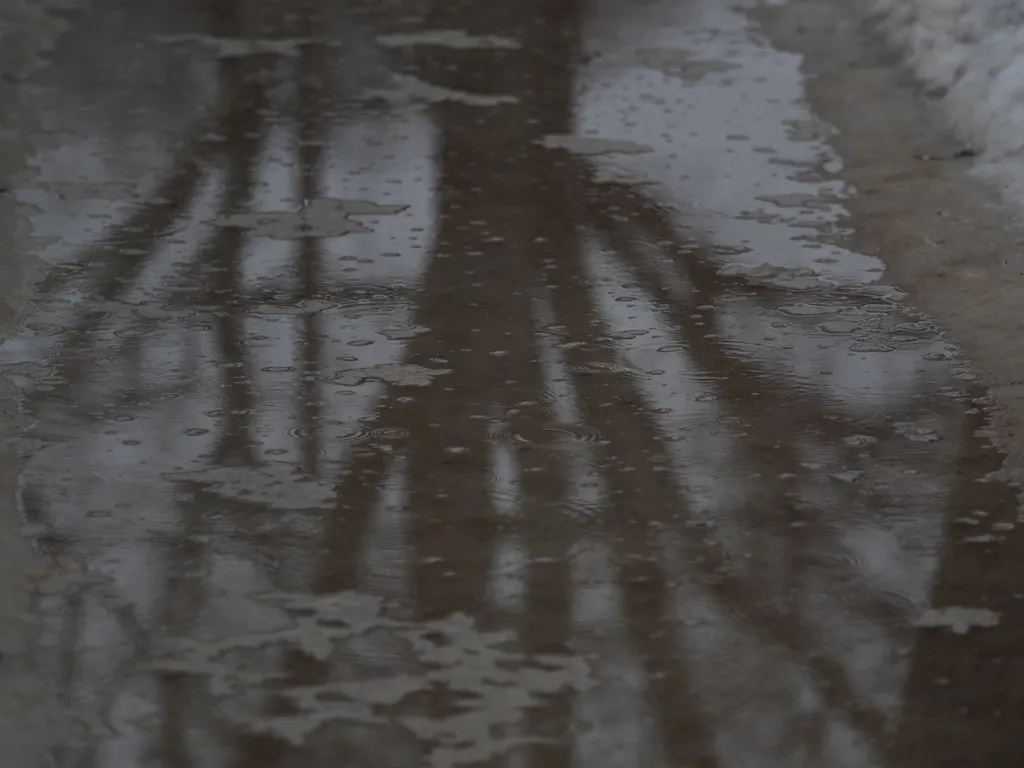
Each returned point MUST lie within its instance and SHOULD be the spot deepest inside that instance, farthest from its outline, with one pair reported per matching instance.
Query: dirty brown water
(459, 384)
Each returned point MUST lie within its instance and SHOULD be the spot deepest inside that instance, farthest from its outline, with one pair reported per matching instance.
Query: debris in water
(109, 191)
(276, 485)
(771, 276)
(916, 433)
(957, 619)
(606, 176)
(238, 47)
(676, 62)
(809, 310)
(402, 332)
(448, 38)
(589, 145)
(860, 440)
(870, 346)
(324, 217)
(399, 374)
(408, 88)
(981, 538)
(850, 476)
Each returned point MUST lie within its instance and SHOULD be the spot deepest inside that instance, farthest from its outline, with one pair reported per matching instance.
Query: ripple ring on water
(548, 435)
(331, 430)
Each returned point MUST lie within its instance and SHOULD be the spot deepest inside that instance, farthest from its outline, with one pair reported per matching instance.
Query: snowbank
(972, 52)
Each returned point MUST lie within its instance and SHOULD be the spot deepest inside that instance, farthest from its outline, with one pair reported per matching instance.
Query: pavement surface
(435, 383)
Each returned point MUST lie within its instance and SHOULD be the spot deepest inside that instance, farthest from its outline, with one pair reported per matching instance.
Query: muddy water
(459, 384)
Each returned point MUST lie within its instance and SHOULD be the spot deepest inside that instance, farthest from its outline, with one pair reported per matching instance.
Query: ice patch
(495, 683)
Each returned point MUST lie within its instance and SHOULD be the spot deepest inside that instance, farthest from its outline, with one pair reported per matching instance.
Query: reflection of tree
(514, 221)
(962, 696)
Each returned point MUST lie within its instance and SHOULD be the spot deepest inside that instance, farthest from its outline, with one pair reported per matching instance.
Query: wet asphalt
(430, 383)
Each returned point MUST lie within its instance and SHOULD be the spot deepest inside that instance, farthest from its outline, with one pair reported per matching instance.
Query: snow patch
(972, 53)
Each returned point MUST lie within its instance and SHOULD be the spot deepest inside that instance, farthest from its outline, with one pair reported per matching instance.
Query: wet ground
(462, 384)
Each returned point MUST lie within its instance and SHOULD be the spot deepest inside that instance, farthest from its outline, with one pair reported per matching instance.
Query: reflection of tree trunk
(243, 134)
(70, 672)
(477, 297)
(311, 130)
(640, 490)
(478, 300)
(554, 249)
(735, 376)
(180, 605)
(120, 259)
(491, 251)
(647, 599)
(963, 694)
(312, 135)
(548, 529)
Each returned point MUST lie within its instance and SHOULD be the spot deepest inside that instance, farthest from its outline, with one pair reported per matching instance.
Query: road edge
(946, 237)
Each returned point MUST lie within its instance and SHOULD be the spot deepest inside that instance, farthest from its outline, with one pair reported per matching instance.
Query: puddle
(470, 386)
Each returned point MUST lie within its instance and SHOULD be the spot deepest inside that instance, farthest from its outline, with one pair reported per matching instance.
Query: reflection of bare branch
(640, 484)
(734, 376)
(496, 258)
(243, 133)
(126, 253)
(117, 259)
